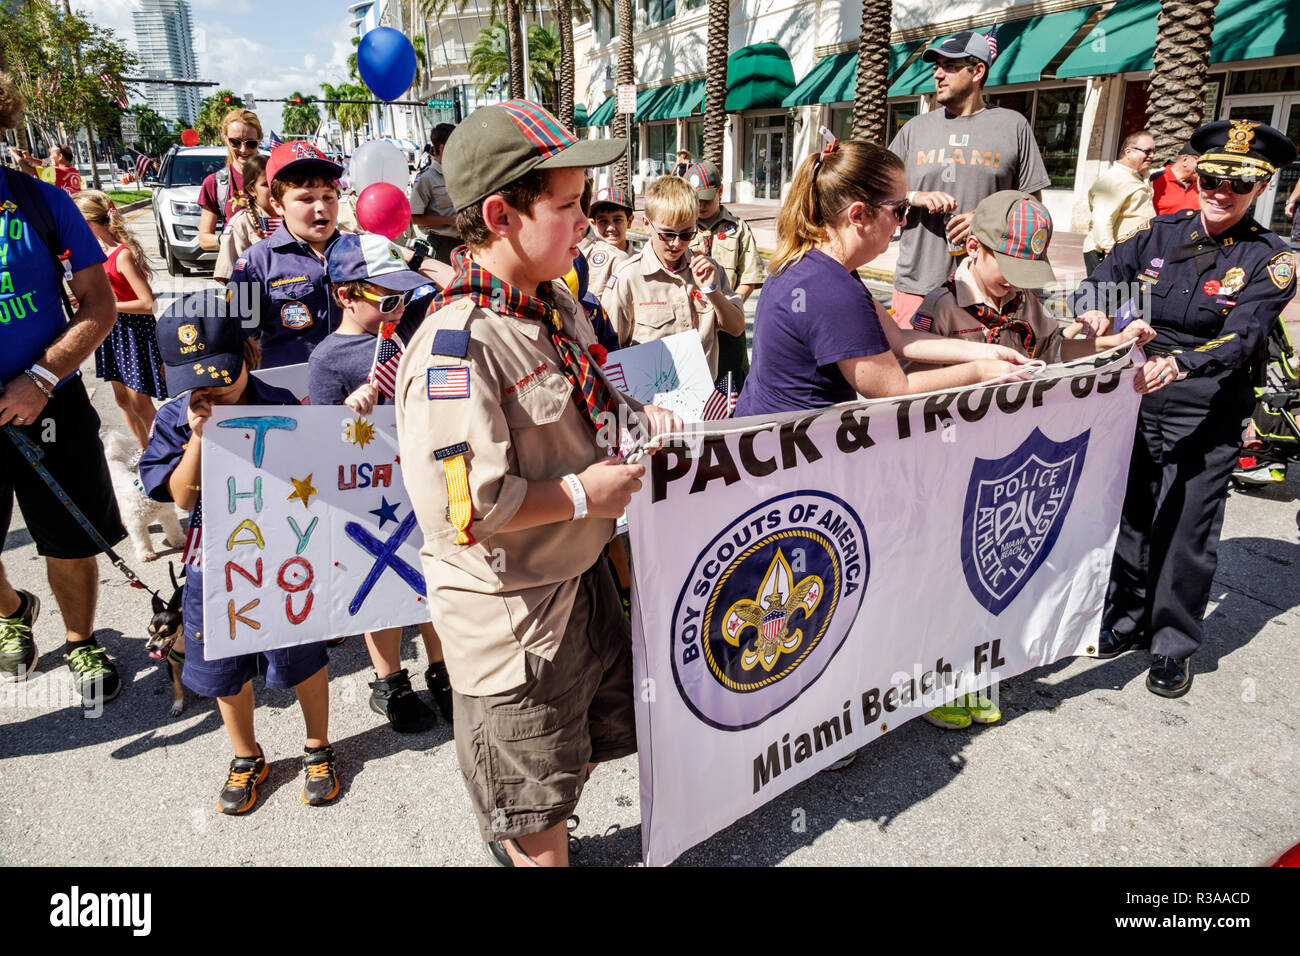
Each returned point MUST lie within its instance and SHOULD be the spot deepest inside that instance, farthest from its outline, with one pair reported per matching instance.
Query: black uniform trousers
(1186, 446)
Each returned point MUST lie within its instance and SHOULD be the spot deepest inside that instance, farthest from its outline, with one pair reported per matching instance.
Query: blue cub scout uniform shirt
(31, 314)
(280, 283)
(167, 440)
(1212, 301)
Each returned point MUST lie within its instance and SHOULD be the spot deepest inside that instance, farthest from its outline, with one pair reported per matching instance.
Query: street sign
(627, 98)
(130, 128)
(440, 104)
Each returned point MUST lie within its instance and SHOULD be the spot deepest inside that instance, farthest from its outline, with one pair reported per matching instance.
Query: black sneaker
(439, 684)
(95, 674)
(393, 698)
(322, 784)
(17, 650)
(240, 792)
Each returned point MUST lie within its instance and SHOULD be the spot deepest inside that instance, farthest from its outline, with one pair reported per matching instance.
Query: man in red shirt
(1175, 185)
(58, 171)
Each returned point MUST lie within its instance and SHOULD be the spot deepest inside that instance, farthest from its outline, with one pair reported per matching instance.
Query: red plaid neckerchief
(996, 321)
(475, 282)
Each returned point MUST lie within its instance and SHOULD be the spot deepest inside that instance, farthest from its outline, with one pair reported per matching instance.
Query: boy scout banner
(308, 533)
(806, 583)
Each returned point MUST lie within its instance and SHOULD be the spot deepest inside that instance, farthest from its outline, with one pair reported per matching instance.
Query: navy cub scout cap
(201, 342)
(370, 257)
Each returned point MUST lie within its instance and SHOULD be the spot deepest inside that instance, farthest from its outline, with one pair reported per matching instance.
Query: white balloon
(377, 162)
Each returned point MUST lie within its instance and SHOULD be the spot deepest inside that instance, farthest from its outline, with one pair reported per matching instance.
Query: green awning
(648, 100)
(580, 116)
(604, 113)
(835, 78)
(682, 100)
(1125, 39)
(1025, 47)
(758, 77)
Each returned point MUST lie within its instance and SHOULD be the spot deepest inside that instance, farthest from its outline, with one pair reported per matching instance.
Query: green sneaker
(950, 717)
(17, 650)
(982, 710)
(95, 674)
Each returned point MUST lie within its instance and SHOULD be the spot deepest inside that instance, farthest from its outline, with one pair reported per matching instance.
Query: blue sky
(255, 46)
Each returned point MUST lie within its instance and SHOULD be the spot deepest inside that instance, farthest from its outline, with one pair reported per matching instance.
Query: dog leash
(33, 453)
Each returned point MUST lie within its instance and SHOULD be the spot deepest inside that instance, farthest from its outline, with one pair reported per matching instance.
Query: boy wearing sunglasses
(666, 288)
(375, 290)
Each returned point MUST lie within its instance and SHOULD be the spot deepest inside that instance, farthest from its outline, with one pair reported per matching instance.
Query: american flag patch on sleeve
(922, 323)
(448, 381)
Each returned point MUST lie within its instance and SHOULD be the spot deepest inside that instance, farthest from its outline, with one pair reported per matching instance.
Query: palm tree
(1176, 97)
(421, 60)
(626, 76)
(564, 101)
(870, 103)
(515, 34)
(352, 116)
(489, 60)
(544, 58)
(716, 47)
(300, 118)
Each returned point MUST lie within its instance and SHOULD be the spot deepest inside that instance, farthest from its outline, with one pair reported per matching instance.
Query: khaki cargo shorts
(524, 754)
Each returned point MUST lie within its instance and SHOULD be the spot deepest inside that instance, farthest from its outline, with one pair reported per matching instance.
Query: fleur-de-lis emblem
(770, 615)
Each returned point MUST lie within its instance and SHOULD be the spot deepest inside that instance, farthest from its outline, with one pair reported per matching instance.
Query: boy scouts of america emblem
(1015, 508)
(1240, 136)
(598, 258)
(1038, 241)
(187, 334)
(766, 606)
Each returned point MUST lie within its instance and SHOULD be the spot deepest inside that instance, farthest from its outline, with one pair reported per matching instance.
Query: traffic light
(227, 100)
(298, 100)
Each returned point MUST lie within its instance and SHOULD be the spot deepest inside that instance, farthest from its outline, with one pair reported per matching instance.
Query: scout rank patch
(1281, 269)
(460, 508)
(448, 381)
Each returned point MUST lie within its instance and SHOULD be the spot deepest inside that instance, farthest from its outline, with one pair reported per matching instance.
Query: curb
(133, 206)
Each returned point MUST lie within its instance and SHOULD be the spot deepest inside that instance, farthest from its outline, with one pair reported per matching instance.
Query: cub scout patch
(1281, 270)
(295, 315)
(598, 258)
(460, 507)
(447, 381)
(276, 283)
(187, 333)
(460, 448)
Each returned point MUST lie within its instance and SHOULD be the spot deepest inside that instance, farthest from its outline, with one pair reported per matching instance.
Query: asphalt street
(1086, 768)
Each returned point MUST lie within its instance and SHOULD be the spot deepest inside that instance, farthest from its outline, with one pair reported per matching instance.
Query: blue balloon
(386, 62)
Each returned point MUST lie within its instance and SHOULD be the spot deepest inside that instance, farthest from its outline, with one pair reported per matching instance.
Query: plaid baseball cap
(286, 156)
(612, 196)
(372, 258)
(499, 143)
(705, 178)
(1016, 228)
(200, 342)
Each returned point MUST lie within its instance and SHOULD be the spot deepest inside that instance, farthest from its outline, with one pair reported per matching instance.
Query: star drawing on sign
(302, 490)
(386, 512)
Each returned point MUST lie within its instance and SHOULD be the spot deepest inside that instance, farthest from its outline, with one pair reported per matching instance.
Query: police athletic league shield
(806, 583)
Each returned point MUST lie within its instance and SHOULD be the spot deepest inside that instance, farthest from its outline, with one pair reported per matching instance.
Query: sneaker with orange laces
(240, 792)
(322, 783)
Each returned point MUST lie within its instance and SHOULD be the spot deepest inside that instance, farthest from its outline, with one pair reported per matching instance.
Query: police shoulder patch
(454, 342)
(1281, 270)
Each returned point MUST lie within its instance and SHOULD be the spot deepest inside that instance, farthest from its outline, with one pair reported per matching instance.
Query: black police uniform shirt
(168, 437)
(282, 282)
(1212, 300)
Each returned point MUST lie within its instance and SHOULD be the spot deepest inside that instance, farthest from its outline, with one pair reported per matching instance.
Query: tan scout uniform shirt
(429, 198)
(601, 259)
(507, 592)
(645, 301)
(733, 249)
(948, 316)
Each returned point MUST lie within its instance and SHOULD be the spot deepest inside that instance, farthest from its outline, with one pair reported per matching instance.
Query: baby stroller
(1273, 435)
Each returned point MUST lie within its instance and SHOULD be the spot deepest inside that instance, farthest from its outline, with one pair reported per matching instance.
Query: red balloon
(190, 137)
(383, 208)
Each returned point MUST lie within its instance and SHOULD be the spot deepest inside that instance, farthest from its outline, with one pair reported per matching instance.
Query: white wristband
(50, 378)
(911, 197)
(579, 496)
(710, 290)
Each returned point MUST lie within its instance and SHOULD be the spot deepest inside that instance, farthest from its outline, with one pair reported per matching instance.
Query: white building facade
(164, 37)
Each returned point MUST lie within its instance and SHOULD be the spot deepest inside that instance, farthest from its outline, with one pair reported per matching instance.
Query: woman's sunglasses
(899, 207)
(667, 235)
(387, 303)
(1211, 183)
(243, 143)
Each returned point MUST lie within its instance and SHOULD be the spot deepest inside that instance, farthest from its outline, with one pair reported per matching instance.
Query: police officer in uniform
(1214, 283)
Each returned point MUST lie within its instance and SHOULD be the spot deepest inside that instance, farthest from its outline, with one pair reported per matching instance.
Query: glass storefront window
(1136, 93)
(1057, 119)
(1276, 80)
(900, 113)
(1022, 102)
(841, 123)
(766, 159)
(695, 139)
(661, 148)
(656, 11)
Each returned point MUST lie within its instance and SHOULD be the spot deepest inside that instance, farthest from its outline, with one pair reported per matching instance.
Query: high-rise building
(164, 38)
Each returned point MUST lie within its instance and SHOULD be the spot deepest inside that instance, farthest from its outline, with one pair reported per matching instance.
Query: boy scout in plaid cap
(730, 243)
(498, 405)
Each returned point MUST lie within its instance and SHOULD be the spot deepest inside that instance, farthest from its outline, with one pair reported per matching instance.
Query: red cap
(288, 155)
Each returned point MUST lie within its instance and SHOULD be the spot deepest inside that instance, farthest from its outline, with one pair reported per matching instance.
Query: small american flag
(388, 354)
(448, 382)
(142, 166)
(115, 89)
(992, 37)
(922, 323)
(274, 139)
(722, 402)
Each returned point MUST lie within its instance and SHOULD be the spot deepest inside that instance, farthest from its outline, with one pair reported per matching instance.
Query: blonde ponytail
(96, 207)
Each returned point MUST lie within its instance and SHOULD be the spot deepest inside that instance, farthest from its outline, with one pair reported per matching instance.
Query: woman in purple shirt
(818, 338)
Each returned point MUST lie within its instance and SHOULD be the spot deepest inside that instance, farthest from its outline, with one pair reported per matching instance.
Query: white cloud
(114, 14)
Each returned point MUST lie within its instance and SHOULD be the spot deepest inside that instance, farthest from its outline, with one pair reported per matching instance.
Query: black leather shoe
(1170, 677)
(1110, 644)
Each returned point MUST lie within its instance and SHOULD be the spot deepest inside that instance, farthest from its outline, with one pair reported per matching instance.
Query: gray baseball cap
(966, 43)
